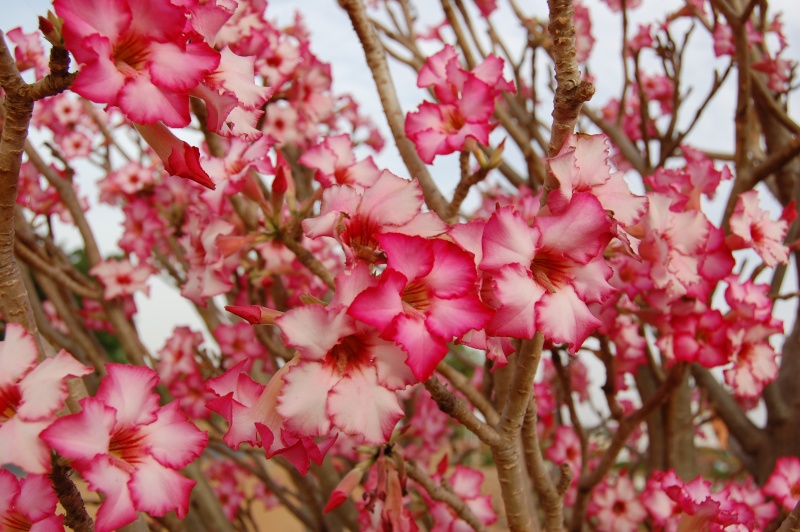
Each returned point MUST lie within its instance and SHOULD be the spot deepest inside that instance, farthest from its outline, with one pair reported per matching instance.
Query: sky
(334, 41)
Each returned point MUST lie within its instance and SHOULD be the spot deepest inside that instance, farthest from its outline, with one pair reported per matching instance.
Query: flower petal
(359, 405)
(156, 489)
(129, 390)
(304, 398)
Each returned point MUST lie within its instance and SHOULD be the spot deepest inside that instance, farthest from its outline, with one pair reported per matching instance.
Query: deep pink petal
(507, 239)
(85, 17)
(409, 255)
(99, 79)
(156, 489)
(359, 405)
(304, 398)
(453, 273)
(172, 439)
(455, 316)
(425, 350)
(84, 435)
(129, 390)
(37, 499)
(44, 389)
(9, 487)
(379, 305)
(477, 101)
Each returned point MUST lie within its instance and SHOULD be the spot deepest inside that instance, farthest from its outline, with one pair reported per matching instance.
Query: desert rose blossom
(250, 409)
(784, 482)
(424, 298)
(347, 376)
(616, 506)
(30, 397)
(543, 276)
(752, 227)
(129, 448)
(334, 162)
(28, 504)
(135, 55)
(357, 217)
(122, 278)
(466, 484)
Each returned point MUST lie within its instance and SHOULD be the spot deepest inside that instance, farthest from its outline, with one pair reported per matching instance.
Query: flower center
(348, 354)
(130, 55)
(9, 402)
(126, 445)
(549, 271)
(416, 296)
(453, 120)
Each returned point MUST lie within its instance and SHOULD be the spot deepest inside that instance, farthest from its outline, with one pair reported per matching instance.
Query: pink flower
(356, 218)
(121, 278)
(617, 507)
(333, 162)
(784, 482)
(424, 298)
(466, 484)
(347, 376)
(544, 276)
(30, 396)
(444, 128)
(129, 448)
(582, 166)
(238, 342)
(251, 411)
(752, 227)
(28, 504)
(135, 55)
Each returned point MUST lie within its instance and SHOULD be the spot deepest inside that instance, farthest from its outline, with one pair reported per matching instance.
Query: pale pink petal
(156, 489)
(359, 405)
(179, 70)
(392, 200)
(20, 445)
(517, 293)
(172, 439)
(236, 76)
(411, 256)
(129, 390)
(351, 282)
(380, 304)
(507, 238)
(425, 350)
(469, 236)
(117, 509)
(390, 365)
(564, 318)
(313, 330)
(426, 224)
(18, 354)
(304, 398)
(85, 435)
(145, 103)
(44, 389)
(590, 281)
